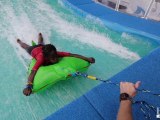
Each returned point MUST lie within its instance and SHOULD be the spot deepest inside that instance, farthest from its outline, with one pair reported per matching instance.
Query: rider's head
(50, 52)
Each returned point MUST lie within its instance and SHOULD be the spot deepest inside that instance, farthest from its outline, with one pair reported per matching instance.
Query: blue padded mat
(102, 102)
(105, 99)
(78, 110)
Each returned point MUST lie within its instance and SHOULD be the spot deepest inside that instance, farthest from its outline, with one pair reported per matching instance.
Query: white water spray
(27, 21)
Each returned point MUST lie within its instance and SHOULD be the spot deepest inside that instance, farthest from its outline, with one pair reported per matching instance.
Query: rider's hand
(28, 90)
(129, 88)
(91, 60)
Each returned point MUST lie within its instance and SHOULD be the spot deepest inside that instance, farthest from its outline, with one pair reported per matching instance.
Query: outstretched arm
(90, 60)
(65, 54)
(125, 111)
(31, 76)
(28, 90)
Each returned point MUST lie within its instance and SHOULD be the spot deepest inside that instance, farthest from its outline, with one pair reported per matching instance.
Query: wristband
(30, 86)
(29, 83)
(125, 96)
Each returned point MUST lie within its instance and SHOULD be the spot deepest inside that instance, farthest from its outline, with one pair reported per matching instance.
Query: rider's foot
(18, 40)
(40, 34)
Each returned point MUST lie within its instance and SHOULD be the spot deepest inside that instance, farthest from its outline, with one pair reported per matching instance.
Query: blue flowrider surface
(102, 102)
(116, 20)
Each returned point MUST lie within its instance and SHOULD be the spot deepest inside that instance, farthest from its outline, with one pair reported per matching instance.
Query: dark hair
(49, 50)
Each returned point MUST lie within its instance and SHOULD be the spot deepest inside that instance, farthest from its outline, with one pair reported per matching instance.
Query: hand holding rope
(144, 106)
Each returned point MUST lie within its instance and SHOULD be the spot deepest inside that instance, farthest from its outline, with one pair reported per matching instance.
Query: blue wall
(116, 20)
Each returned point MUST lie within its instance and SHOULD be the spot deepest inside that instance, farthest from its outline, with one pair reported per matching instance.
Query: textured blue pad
(78, 110)
(105, 99)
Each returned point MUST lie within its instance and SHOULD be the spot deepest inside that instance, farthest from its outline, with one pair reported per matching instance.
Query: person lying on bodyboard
(45, 55)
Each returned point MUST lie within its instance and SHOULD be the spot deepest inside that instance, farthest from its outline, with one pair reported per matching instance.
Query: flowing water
(69, 32)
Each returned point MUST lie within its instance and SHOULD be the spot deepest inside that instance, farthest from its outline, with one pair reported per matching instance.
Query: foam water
(60, 26)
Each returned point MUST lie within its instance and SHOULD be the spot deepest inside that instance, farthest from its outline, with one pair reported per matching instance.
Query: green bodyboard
(49, 75)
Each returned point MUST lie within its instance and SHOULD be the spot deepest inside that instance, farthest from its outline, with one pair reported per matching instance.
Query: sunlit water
(113, 52)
